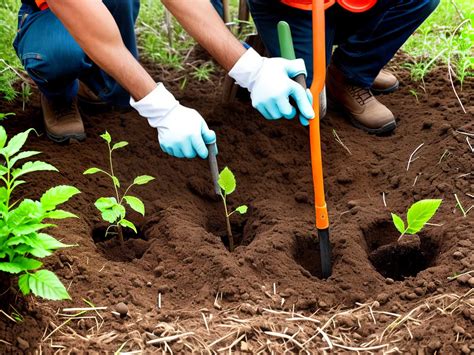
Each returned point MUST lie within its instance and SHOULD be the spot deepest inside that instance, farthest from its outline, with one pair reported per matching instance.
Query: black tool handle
(212, 148)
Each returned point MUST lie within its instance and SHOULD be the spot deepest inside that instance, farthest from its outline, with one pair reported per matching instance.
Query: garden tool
(212, 148)
(319, 69)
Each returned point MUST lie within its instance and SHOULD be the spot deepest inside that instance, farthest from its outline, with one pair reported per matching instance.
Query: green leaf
(3, 169)
(23, 284)
(105, 203)
(3, 137)
(32, 166)
(16, 143)
(22, 155)
(242, 209)
(119, 145)
(110, 209)
(48, 242)
(92, 171)
(116, 181)
(46, 284)
(143, 179)
(57, 195)
(27, 212)
(398, 222)
(60, 214)
(227, 181)
(19, 264)
(106, 137)
(420, 213)
(26, 229)
(126, 223)
(135, 203)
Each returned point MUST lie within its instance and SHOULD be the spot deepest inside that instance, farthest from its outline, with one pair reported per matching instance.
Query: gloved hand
(182, 132)
(270, 85)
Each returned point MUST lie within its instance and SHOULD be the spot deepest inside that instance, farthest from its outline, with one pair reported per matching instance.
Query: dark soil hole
(398, 260)
(134, 245)
(308, 255)
(243, 230)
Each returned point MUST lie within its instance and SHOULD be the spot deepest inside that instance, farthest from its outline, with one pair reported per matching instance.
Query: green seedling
(418, 216)
(228, 184)
(113, 209)
(5, 115)
(22, 240)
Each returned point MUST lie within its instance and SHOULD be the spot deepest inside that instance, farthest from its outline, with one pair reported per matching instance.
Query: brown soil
(181, 253)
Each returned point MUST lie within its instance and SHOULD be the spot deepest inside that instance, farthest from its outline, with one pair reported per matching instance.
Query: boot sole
(68, 138)
(385, 91)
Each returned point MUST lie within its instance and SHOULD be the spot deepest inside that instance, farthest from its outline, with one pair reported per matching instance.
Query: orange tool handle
(319, 77)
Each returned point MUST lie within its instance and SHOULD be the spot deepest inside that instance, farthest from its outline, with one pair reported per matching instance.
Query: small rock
(463, 279)
(458, 255)
(163, 289)
(431, 287)
(22, 343)
(471, 282)
(434, 345)
(383, 298)
(122, 309)
(419, 291)
(458, 329)
(389, 281)
(411, 296)
(351, 204)
(159, 270)
(248, 309)
(138, 283)
(465, 349)
(188, 260)
(170, 275)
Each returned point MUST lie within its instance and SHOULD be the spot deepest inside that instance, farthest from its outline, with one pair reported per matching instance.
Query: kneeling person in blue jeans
(88, 48)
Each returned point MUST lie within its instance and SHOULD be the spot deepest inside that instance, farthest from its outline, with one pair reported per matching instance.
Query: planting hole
(398, 260)
(243, 230)
(134, 245)
(307, 254)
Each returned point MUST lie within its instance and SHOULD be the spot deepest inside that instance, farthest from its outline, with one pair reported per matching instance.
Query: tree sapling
(417, 216)
(21, 221)
(113, 209)
(228, 184)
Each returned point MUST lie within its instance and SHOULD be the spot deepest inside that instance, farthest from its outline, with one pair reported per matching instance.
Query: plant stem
(120, 234)
(229, 229)
(119, 227)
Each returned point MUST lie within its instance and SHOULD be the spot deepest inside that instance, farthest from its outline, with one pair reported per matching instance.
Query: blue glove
(182, 132)
(270, 85)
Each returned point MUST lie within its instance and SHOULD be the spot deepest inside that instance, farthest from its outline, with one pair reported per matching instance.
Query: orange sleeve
(42, 4)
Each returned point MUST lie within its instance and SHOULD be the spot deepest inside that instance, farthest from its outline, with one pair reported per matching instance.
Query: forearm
(93, 27)
(204, 24)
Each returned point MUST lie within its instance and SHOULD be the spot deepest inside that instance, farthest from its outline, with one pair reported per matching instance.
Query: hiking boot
(384, 83)
(62, 120)
(359, 104)
(87, 96)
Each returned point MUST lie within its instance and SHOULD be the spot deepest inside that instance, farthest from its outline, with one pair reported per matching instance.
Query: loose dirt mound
(181, 259)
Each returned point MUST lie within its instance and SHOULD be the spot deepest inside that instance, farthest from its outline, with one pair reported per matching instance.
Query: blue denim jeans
(55, 61)
(218, 6)
(365, 42)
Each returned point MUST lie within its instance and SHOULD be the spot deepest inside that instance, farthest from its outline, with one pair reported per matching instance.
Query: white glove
(182, 132)
(270, 85)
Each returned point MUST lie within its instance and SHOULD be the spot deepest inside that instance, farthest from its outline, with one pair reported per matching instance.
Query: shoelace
(362, 95)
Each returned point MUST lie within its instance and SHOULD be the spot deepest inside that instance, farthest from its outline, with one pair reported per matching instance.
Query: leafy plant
(113, 209)
(228, 184)
(22, 221)
(417, 216)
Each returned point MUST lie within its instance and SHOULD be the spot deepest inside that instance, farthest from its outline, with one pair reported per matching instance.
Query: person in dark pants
(365, 42)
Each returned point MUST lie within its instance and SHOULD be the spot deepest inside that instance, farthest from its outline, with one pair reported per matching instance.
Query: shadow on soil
(398, 259)
(243, 229)
(307, 254)
(133, 247)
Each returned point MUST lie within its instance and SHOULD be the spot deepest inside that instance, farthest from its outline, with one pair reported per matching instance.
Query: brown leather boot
(384, 83)
(62, 121)
(359, 104)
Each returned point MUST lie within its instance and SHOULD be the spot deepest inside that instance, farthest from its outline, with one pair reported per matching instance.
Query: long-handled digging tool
(319, 106)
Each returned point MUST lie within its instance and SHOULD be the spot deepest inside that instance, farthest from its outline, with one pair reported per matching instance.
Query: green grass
(9, 62)
(447, 36)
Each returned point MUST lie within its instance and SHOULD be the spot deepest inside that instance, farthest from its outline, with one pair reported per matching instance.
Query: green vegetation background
(447, 37)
